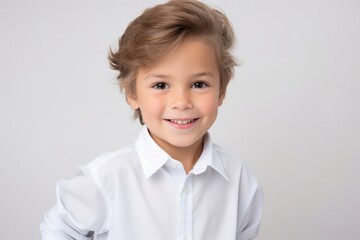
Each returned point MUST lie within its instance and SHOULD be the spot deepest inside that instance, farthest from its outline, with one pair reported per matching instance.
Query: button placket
(185, 210)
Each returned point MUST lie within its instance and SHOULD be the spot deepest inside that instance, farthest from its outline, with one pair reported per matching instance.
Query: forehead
(191, 56)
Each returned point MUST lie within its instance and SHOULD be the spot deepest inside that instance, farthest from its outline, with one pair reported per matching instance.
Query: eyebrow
(155, 75)
(206, 73)
(164, 76)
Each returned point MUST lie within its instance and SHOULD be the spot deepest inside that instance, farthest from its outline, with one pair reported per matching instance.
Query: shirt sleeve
(80, 211)
(251, 209)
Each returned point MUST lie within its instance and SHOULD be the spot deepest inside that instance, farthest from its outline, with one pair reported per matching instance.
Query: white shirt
(140, 193)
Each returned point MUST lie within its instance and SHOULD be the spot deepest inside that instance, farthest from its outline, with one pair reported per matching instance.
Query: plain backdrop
(292, 109)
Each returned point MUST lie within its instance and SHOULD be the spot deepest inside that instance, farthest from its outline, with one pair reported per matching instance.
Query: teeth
(181, 122)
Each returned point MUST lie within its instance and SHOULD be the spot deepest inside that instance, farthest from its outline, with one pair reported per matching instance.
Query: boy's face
(179, 96)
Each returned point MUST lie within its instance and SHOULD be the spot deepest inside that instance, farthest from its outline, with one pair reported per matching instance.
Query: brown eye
(160, 85)
(199, 85)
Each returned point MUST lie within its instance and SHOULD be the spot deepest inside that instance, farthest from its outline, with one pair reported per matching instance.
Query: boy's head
(151, 36)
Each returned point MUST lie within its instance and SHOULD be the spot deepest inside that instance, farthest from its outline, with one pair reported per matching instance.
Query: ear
(132, 101)
(221, 99)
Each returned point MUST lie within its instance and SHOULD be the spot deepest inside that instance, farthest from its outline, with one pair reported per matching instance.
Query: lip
(182, 123)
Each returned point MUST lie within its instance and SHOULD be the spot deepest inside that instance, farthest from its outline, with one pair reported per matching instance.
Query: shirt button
(186, 190)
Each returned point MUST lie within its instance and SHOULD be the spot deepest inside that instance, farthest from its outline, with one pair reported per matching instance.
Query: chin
(182, 143)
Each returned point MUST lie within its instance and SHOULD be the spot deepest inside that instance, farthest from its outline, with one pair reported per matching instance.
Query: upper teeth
(181, 121)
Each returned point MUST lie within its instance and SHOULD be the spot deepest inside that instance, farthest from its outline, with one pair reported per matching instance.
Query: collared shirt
(141, 193)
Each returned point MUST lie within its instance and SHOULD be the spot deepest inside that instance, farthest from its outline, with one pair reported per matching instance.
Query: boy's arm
(79, 212)
(250, 224)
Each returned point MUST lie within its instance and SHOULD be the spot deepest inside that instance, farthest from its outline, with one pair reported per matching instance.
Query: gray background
(292, 110)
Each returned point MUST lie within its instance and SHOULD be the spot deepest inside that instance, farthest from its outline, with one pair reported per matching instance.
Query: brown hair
(162, 28)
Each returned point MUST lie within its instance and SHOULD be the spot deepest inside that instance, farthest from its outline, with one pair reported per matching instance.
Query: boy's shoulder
(125, 157)
(234, 164)
(228, 156)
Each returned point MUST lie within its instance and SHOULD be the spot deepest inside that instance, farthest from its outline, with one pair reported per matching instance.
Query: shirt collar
(209, 158)
(153, 157)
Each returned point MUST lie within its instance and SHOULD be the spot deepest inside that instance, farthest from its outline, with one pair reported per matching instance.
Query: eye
(160, 85)
(200, 85)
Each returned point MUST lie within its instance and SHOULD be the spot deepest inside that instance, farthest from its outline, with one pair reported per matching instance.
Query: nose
(181, 100)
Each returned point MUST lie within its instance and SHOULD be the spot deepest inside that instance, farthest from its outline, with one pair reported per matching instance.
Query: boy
(173, 183)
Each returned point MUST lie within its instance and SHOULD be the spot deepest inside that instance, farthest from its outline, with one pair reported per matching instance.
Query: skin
(179, 99)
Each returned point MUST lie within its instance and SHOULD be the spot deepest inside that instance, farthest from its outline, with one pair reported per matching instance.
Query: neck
(188, 156)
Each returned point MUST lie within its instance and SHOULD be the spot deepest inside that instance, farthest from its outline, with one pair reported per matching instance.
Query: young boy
(173, 183)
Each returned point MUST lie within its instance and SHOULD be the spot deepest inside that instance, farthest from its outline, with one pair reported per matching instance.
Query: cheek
(210, 104)
(151, 106)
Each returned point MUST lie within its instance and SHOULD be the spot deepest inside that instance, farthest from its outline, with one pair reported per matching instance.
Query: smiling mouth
(182, 121)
